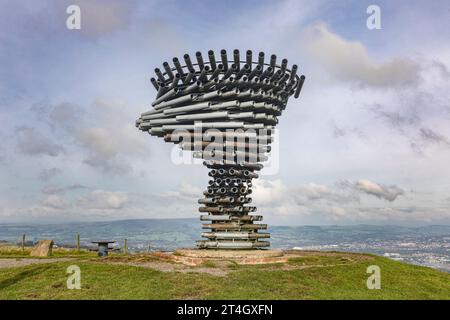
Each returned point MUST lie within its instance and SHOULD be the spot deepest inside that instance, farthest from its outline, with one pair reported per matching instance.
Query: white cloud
(350, 61)
(47, 174)
(184, 191)
(341, 202)
(104, 200)
(55, 202)
(103, 17)
(32, 142)
(389, 193)
(56, 190)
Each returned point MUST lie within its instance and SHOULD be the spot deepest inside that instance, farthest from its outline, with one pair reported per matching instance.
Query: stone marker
(42, 249)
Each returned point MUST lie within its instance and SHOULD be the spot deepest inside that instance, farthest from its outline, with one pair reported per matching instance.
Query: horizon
(43, 223)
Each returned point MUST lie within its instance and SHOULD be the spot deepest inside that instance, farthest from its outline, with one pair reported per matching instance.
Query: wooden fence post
(78, 242)
(23, 242)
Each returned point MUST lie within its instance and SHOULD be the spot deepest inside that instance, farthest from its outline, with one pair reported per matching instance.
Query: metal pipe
(283, 67)
(168, 70)
(243, 71)
(177, 64)
(221, 125)
(211, 209)
(211, 83)
(173, 102)
(249, 174)
(223, 55)
(252, 166)
(210, 95)
(229, 72)
(162, 121)
(162, 89)
(193, 87)
(222, 217)
(160, 75)
(293, 73)
(284, 78)
(189, 78)
(234, 172)
(237, 60)
(188, 62)
(235, 226)
(230, 94)
(266, 73)
(299, 86)
(225, 83)
(200, 62)
(237, 209)
(154, 83)
(273, 61)
(203, 74)
(249, 58)
(152, 116)
(261, 60)
(216, 71)
(276, 75)
(202, 116)
(226, 200)
(212, 60)
(175, 81)
(255, 72)
(234, 190)
(188, 108)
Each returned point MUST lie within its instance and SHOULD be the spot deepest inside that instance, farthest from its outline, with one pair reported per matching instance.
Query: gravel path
(20, 262)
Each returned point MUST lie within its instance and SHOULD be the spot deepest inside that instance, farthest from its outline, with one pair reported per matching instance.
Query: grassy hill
(315, 275)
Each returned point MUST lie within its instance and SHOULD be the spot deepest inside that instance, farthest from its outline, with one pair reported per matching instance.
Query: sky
(367, 142)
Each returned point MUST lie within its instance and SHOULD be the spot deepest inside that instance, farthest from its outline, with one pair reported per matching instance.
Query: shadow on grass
(21, 276)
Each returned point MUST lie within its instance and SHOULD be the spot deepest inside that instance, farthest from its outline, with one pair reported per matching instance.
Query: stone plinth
(194, 257)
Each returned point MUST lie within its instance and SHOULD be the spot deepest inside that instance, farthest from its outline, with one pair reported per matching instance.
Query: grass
(314, 276)
(10, 251)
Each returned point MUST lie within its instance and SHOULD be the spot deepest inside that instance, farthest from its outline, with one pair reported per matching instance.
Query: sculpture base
(196, 257)
(230, 217)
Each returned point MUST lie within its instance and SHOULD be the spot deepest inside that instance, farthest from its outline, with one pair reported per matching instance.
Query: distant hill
(426, 245)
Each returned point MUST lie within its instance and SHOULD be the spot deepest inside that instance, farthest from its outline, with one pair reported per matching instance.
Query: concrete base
(194, 257)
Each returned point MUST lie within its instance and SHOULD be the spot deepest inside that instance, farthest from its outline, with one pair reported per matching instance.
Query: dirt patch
(172, 267)
(165, 262)
(21, 262)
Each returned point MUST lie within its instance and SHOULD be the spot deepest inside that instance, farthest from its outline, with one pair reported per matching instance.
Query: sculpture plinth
(225, 114)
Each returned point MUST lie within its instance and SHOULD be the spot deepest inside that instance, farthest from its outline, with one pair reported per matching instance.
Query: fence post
(78, 242)
(125, 246)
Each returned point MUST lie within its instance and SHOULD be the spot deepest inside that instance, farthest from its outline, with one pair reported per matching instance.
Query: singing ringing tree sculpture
(225, 112)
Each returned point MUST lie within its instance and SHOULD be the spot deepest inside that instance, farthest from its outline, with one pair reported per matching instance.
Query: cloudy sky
(367, 142)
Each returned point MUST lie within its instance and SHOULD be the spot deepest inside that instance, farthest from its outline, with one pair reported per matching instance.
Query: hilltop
(313, 275)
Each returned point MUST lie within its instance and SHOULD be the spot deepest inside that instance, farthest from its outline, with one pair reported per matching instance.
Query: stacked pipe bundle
(224, 110)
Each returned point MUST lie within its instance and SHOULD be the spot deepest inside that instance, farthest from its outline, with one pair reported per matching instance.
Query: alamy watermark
(226, 146)
(73, 21)
(373, 22)
(74, 278)
(374, 280)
